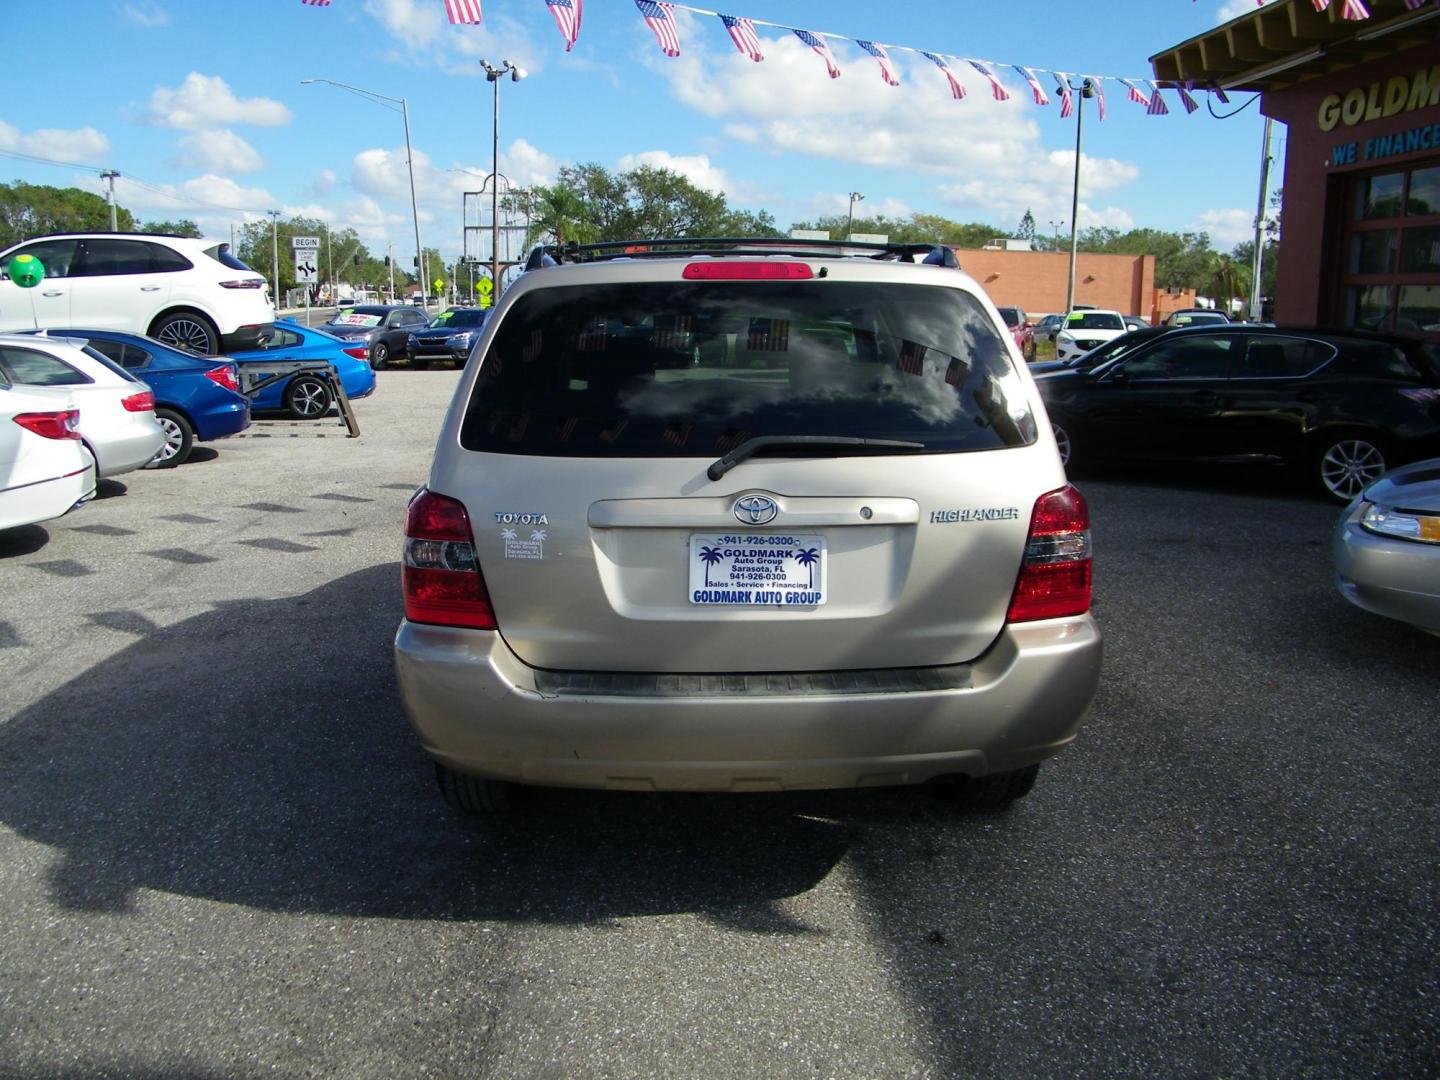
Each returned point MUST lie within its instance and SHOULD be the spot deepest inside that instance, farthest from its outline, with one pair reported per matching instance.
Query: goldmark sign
(1403, 93)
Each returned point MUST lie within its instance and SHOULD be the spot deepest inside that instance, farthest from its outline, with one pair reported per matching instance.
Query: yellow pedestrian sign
(485, 287)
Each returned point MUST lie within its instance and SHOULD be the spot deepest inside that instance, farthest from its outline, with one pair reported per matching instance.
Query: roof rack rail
(931, 254)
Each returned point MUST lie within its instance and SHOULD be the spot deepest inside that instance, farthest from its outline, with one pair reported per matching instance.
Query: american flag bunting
(911, 359)
(887, 69)
(316, 3)
(567, 17)
(957, 88)
(997, 91)
(1067, 99)
(1157, 106)
(742, 33)
(463, 12)
(822, 50)
(1186, 98)
(1135, 93)
(660, 17)
(1099, 85)
(1035, 89)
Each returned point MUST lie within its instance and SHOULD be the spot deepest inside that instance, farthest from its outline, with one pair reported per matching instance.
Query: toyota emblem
(756, 510)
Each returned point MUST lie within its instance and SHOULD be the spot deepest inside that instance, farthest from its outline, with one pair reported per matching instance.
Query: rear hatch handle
(759, 445)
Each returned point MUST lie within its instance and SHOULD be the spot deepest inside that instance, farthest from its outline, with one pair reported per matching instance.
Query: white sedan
(45, 469)
(117, 410)
(1086, 330)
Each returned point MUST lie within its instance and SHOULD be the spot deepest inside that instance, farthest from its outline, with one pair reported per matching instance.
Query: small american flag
(1219, 92)
(615, 430)
(957, 90)
(1067, 100)
(1186, 99)
(567, 17)
(1157, 106)
(1416, 5)
(997, 91)
(1135, 93)
(671, 332)
(1099, 84)
(1354, 9)
(956, 372)
(742, 33)
(1035, 90)
(531, 352)
(887, 69)
(731, 438)
(660, 17)
(316, 3)
(912, 358)
(592, 335)
(822, 50)
(463, 12)
(565, 427)
(676, 433)
(768, 335)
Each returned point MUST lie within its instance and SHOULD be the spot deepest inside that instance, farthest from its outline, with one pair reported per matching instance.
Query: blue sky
(199, 106)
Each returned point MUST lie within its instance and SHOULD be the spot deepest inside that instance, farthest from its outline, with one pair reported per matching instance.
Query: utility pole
(855, 197)
(330, 259)
(1057, 226)
(390, 258)
(275, 252)
(111, 175)
(1086, 89)
(1258, 257)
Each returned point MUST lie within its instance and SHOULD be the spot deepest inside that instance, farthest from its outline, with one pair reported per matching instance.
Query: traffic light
(387, 262)
(357, 258)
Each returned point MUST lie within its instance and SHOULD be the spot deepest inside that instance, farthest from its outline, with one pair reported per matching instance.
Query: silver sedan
(1387, 547)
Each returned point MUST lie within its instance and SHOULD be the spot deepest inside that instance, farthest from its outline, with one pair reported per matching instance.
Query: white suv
(750, 519)
(190, 294)
(1085, 330)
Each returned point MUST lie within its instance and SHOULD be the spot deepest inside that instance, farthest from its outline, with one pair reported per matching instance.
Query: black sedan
(1342, 406)
(384, 328)
(449, 336)
(1101, 354)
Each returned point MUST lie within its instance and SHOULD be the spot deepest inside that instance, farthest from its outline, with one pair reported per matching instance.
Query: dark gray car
(385, 328)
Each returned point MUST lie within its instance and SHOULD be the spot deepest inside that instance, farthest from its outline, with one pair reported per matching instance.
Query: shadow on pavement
(22, 540)
(257, 754)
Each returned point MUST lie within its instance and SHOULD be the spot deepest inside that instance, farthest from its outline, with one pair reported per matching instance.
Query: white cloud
(1233, 9)
(205, 101)
(81, 145)
(324, 183)
(146, 13)
(421, 34)
(987, 155)
(697, 168)
(830, 203)
(527, 165)
(1226, 227)
(217, 151)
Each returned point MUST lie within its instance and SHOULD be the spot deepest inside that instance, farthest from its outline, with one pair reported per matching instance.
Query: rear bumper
(480, 710)
(246, 337)
(128, 447)
(32, 503)
(222, 420)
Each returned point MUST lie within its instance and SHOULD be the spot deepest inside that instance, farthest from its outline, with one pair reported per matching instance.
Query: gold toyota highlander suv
(745, 516)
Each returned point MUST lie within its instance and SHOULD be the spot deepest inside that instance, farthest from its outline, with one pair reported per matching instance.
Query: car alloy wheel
(1348, 465)
(307, 398)
(187, 332)
(1062, 442)
(379, 355)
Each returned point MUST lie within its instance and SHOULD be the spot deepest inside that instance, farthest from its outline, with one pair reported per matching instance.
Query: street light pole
(1057, 226)
(275, 252)
(389, 103)
(1086, 89)
(1257, 260)
(493, 74)
(111, 175)
(855, 197)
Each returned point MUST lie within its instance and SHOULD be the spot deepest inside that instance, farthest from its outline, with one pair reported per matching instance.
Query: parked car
(1018, 323)
(1101, 354)
(745, 522)
(1084, 330)
(1196, 317)
(450, 336)
(117, 410)
(1341, 407)
(190, 294)
(383, 328)
(1044, 330)
(1386, 547)
(197, 399)
(306, 396)
(45, 470)
(1136, 322)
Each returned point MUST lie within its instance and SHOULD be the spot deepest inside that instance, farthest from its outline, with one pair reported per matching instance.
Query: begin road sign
(305, 243)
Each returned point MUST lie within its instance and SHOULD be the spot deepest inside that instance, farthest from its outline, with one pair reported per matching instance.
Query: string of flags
(1354, 10)
(660, 17)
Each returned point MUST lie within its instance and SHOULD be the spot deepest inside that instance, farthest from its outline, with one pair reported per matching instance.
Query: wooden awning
(1287, 42)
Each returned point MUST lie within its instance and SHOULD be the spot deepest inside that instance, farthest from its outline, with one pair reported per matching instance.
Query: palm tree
(1228, 279)
(808, 557)
(561, 213)
(709, 556)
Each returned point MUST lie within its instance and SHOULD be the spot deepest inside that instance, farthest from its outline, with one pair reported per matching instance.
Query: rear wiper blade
(750, 447)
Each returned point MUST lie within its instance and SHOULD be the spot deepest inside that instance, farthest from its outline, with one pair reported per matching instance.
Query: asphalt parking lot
(221, 853)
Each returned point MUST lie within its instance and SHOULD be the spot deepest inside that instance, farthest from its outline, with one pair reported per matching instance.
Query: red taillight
(441, 578)
(141, 402)
(51, 425)
(1055, 576)
(359, 352)
(225, 376)
(723, 270)
(244, 283)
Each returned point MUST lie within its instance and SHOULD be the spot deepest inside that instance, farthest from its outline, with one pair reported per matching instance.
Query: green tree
(182, 227)
(561, 213)
(31, 209)
(1026, 229)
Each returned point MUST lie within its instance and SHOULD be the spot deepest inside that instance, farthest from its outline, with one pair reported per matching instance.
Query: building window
(1392, 244)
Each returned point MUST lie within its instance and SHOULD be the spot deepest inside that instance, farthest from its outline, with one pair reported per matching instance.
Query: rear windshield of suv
(1095, 320)
(681, 369)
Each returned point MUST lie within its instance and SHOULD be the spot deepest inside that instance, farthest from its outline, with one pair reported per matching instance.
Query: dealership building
(1361, 104)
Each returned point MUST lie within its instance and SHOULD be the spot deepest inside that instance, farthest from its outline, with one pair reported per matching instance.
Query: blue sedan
(197, 398)
(304, 396)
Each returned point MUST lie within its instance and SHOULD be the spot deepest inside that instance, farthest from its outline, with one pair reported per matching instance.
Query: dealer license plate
(757, 569)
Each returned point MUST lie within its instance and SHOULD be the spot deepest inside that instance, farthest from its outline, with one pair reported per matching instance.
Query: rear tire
(179, 440)
(996, 791)
(379, 356)
(474, 796)
(1064, 440)
(1344, 463)
(307, 398)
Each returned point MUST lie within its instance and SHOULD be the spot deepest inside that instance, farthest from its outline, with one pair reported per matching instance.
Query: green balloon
(26, 271)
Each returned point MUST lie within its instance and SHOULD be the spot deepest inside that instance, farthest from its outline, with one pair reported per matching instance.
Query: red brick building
(1360, 241)
(1038, 280)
